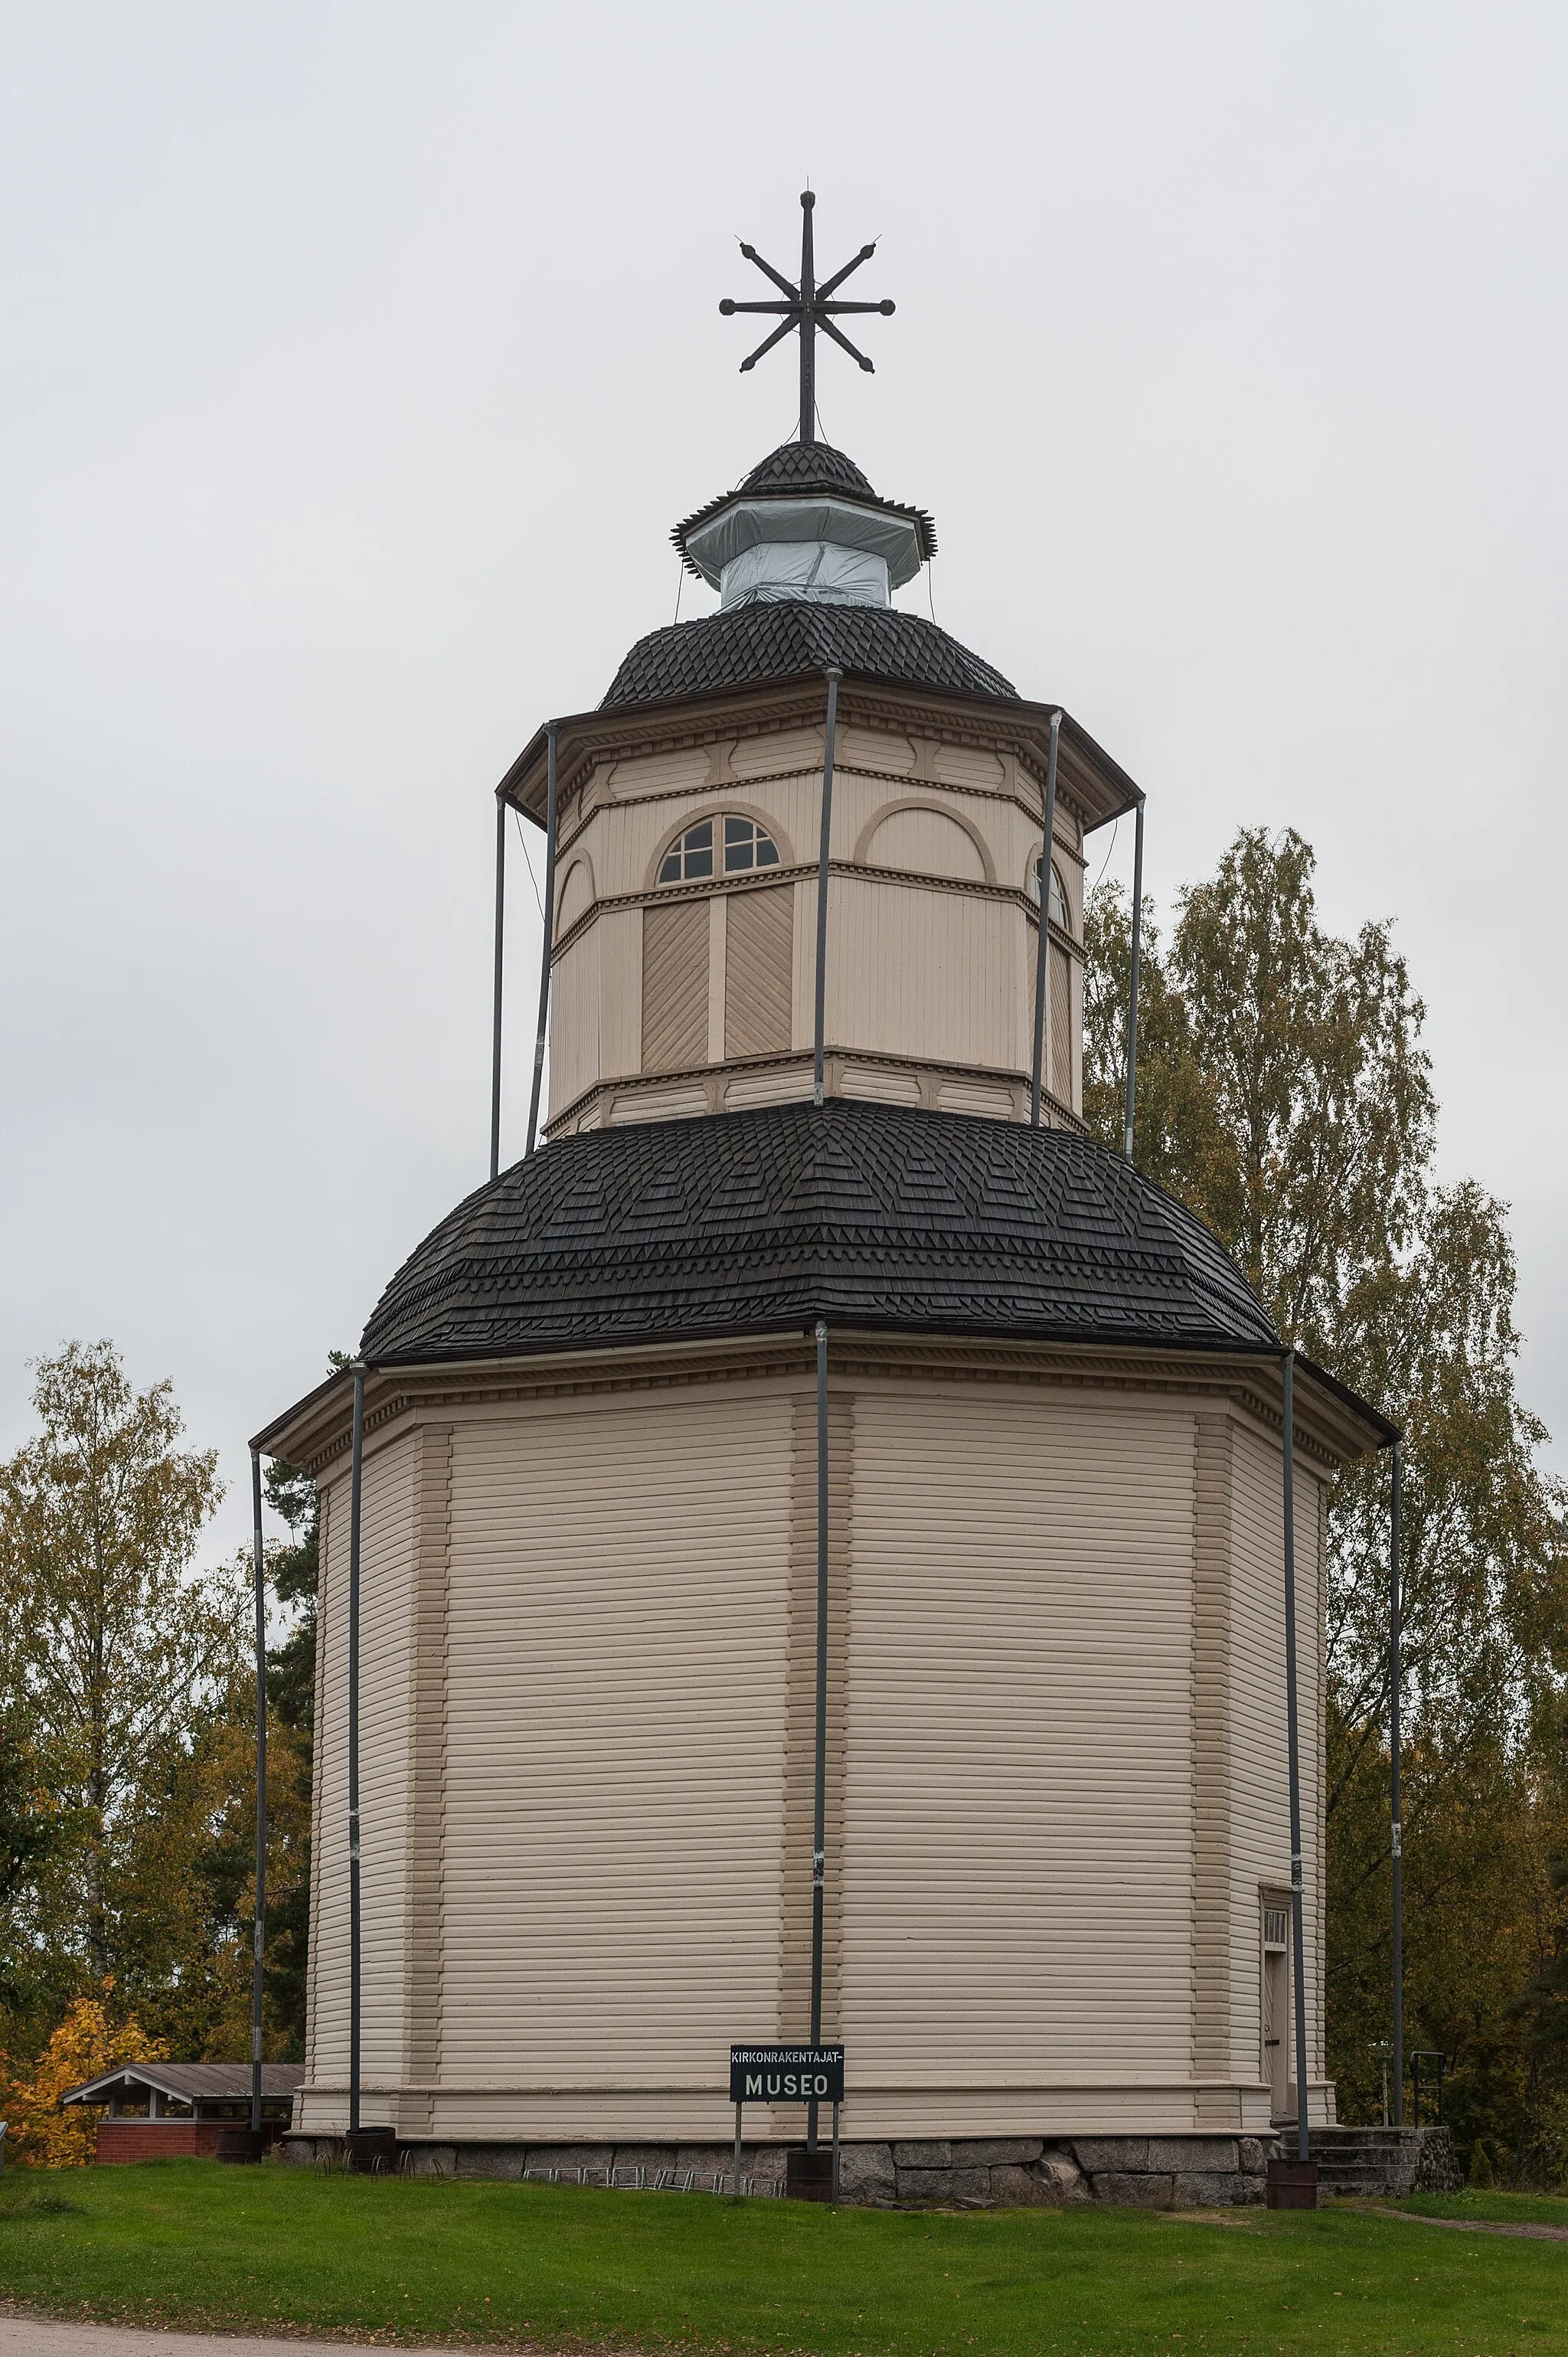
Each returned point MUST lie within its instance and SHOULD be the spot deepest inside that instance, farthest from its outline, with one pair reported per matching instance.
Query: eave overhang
(1334, 1425)
(1099, 788)
(916, 521)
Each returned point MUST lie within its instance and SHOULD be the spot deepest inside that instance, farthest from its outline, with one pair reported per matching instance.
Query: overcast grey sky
(358, 358)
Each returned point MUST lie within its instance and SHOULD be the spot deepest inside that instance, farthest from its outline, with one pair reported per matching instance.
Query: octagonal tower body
(1058, 1833)
(683, 967)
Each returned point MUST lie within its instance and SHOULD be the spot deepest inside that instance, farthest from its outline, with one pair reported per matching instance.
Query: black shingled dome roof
(801, 468)
(871, 1216)
(780, 640)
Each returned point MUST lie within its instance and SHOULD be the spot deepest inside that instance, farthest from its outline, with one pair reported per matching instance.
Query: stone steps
(1373, 2163)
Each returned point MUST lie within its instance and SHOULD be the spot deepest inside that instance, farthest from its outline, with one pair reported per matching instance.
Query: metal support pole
(808, 339)
(821, 998)
(1395, 1671)
(835, 2152)
(819, 1789)
(496, 1008)
(1293, 1738)
(356, 1468)
(260, 1931)
(1133, 986)
(1042, 945)
(549, 939)
(737, 2149)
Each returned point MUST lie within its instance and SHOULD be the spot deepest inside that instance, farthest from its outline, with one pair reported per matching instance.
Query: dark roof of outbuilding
(871, 1216)
(807, 470)
(751, 645)
(191, 2081)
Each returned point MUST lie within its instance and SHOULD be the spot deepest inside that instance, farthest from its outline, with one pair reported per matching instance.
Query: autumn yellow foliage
(87, 2042)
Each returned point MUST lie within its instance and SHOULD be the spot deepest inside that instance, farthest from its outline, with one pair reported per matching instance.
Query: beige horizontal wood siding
(794, 2006)
(1315, 1782)
(317, 1833)
(1018, 1862)
(762, 756)
(1213, 1668)
(873, 749)
(386, 1562)
(1261, 1792)
(617, 1635)
(967, 765)
(423, 1934)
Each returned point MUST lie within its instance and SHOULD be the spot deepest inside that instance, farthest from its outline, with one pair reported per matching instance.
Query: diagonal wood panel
(758, 953)
(675, 986)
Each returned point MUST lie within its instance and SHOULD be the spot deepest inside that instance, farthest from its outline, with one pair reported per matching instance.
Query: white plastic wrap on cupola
(1057, 1796)
(685, 920)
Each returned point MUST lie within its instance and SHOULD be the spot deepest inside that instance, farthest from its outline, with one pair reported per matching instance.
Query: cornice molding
(1089, 781)
(800, 1059)
(764, 879)
(314, 1438)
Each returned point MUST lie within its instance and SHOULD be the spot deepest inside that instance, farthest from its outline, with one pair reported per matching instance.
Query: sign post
(787, 2074)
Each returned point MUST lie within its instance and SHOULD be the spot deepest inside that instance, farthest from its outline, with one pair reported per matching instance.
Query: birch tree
(1284, 1093)
(110, 1643)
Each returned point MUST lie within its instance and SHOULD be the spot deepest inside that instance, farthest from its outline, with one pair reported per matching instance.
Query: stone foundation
(1172, 2172)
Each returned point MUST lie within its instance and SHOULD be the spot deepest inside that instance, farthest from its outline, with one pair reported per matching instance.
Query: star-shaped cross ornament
(807, 307)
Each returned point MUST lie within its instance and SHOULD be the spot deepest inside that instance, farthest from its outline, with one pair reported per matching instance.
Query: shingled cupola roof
(802, 466)
(805, 491)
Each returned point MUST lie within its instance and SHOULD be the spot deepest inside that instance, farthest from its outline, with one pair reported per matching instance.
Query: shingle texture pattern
(807, 470)
(804, 468)
(776, 641)
(872, 1216)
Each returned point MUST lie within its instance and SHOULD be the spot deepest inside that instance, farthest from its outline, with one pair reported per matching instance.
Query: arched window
(745, 847)
(752, 933)
(1058, 897)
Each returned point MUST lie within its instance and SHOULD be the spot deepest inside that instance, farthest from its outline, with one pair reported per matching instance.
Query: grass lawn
(1501, 2208)
(188, 2242)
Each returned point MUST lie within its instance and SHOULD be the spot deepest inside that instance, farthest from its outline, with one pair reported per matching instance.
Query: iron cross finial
(807, 307)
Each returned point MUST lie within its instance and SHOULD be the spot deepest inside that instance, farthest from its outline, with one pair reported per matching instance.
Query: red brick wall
(156, 2139)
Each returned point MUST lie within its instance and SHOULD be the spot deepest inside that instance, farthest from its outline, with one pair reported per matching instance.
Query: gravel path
(29, 2336)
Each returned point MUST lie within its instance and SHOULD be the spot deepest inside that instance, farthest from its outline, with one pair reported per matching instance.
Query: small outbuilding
(161, 2111)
